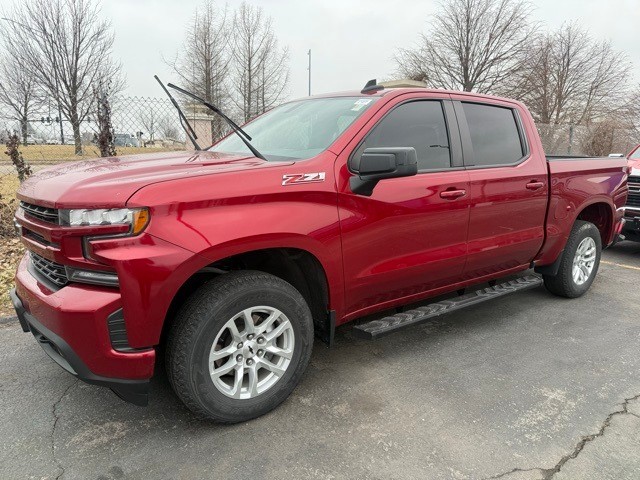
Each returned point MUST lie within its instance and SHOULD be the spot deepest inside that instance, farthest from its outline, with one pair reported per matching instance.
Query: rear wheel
(239, 346)
(579, 264)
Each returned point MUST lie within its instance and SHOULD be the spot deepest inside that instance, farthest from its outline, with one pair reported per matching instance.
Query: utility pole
(309, 68)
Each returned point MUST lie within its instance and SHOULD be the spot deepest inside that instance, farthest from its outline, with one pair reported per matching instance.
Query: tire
(564, 284)
(208, 316)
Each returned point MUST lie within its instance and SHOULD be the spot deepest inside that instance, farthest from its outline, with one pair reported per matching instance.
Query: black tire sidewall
(219, 312)
(579, 233)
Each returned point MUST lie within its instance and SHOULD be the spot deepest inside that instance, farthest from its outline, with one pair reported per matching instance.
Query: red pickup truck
(225, 262)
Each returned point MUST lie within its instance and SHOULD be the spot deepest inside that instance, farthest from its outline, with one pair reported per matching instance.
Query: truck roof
(392, 90)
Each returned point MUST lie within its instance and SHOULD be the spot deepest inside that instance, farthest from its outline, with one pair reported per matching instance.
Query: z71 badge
(297, 178)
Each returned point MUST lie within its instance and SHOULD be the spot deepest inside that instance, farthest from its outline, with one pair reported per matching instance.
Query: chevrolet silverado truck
(224, 263)
(631, 229)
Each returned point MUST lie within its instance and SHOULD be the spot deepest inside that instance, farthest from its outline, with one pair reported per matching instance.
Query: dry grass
(11, 249)
(8, 186)
(63, 153)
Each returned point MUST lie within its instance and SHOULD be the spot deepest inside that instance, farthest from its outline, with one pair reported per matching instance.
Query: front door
(410, 235)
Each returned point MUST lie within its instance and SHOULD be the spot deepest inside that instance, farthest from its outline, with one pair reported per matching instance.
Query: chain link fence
(597, 140)
(140, 125)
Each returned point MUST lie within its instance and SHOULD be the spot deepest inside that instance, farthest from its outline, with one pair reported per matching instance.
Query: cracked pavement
(526, 387)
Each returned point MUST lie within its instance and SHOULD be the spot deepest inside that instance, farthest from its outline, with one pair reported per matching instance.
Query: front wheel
(579, 264)
(239, 346)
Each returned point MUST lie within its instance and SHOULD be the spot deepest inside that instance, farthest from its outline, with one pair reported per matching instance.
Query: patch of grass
(11, 251)
(8, 186)
(11, 248)
(64, 153)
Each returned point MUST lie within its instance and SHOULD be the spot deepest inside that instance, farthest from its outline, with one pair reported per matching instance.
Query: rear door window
(495, 136)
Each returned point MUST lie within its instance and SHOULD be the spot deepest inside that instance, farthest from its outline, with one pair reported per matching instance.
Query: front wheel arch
(295, 266)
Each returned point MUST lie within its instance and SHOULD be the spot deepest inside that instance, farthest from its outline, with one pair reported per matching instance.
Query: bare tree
(149, 120)
(569, 78)
(66, 47)
(472, 45)
(203, 63)
(618, 132)
(261, 70)
(169, 130)
(17, 91)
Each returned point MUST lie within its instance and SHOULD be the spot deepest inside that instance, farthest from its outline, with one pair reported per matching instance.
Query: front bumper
(71, 326)
(133, 391)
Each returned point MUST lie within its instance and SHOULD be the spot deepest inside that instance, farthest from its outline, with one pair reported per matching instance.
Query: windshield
(635, 155)
(298, 130)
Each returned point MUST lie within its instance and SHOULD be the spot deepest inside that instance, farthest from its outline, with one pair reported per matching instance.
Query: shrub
(13, 152)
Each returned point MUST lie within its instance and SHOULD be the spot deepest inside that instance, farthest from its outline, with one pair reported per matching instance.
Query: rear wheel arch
(601, 215)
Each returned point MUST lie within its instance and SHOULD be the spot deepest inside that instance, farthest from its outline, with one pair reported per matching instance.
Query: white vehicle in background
(125, 140)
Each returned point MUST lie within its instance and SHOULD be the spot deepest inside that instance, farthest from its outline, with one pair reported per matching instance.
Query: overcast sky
(352, 41)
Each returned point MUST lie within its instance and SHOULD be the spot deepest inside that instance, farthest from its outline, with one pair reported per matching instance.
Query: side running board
(384, 326)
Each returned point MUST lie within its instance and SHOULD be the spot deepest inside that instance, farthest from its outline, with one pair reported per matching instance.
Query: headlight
(136, 218)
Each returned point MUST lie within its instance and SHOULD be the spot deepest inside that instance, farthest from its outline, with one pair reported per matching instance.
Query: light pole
(309, 68)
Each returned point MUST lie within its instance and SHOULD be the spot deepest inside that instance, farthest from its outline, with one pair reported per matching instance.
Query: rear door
(410, 235)
(507, 183)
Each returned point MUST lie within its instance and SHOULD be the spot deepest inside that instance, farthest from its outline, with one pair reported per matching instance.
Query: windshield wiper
(183, 119)
(244, 136)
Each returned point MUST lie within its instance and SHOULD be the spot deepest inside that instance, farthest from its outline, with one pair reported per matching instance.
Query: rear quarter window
(495, 137)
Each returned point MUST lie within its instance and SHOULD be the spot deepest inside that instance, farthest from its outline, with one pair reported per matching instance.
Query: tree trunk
(77, 139)
(24, 128)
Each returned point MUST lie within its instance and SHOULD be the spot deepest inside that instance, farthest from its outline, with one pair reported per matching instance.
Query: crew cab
(225, 263)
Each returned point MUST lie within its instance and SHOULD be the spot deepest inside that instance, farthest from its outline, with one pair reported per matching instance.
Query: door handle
(452, 194)
(533, 185)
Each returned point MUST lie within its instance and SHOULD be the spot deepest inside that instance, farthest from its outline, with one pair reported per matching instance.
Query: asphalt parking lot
(526, 387)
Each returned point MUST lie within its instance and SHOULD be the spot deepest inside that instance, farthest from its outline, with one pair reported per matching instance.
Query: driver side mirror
(375, 164)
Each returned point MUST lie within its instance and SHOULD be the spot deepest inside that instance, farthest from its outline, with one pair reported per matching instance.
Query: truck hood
(110, 182)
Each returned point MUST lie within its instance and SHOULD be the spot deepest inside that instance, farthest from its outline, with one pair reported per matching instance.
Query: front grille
(634, 192)
(38, 238)
(44, 214)
(52, 271)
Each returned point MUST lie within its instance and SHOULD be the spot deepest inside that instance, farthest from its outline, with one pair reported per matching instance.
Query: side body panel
(575, 185)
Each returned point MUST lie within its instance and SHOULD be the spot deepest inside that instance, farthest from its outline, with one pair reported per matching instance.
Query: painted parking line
(621, 265)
